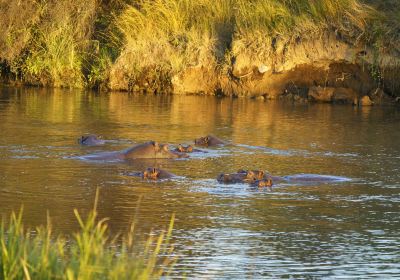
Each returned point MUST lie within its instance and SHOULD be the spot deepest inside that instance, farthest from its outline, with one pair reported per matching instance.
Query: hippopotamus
(242, 176)
(90, 140)
(255, 178)
(208, 141)
(152, 173)
(148, 150)
(187, 149)
(253, 174)
(259, 178)
(263, 183)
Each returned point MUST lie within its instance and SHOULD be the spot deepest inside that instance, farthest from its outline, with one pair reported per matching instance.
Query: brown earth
(289, 70)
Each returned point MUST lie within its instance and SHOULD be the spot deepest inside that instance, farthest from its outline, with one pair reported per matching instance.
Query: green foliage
(68, 43)
(90, 254)
(176, 34)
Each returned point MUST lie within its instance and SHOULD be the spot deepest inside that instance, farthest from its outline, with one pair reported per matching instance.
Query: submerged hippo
(255, 178)
(243, 176)
(263, 183)
(148, 150)
(183, 149)
(187, 149)
(208, 141)
(258, 178)
(152, 173)
(90, 140)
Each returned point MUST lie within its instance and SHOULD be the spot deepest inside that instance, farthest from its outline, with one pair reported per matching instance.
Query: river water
(348, 228)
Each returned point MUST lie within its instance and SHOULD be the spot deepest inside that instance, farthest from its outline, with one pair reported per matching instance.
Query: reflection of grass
(90, 254)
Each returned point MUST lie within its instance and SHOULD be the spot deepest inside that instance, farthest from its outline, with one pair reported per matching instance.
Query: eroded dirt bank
(327, 69)
(323, 50)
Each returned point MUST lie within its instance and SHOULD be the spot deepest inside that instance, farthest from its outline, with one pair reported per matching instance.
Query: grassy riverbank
(89, 254)
(132, 45)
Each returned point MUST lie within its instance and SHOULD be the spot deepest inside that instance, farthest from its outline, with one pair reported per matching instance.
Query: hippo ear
(166, 148)
(207, 139)
(153, 170)
(156, 146)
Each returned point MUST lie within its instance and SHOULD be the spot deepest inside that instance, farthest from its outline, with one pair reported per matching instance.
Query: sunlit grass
(176, 34)
(56, 44)
(91, 253)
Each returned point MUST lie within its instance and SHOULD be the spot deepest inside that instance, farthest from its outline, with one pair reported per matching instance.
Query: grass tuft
(90, 254)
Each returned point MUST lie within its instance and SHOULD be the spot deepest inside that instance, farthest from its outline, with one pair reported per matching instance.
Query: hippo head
(183, 149)
(202, 141)
(163, 151)
(151, 173)
(264, 183)
(90, 140)
(224, 178)
(252, 175)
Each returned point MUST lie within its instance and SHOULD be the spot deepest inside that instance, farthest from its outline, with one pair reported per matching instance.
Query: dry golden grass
(53, 42)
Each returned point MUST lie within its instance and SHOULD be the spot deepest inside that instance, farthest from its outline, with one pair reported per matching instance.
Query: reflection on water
(330, 230)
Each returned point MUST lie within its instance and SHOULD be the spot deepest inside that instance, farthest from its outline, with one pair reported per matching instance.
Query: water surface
(348, 228)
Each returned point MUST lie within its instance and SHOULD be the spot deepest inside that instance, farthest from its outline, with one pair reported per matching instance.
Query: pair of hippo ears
(151, 170)
(204, 140)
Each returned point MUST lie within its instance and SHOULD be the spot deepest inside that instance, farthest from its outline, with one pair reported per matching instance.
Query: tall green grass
(60, 43)
(90, 254)
(176, 34)
(67, 43)
(47, 42)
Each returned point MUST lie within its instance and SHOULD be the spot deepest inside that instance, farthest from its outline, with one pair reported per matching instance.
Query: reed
(91, 253)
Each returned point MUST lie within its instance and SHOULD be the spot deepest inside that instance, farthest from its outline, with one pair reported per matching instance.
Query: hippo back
(145, 150)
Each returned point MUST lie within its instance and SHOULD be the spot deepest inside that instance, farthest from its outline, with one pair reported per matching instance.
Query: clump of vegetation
(172, 35)
(58, 48)
(68, 43)
(89, 254)
(47, 42)
(259, 20)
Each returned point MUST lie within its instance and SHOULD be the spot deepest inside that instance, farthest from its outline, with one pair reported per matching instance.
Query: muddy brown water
(340, 229)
